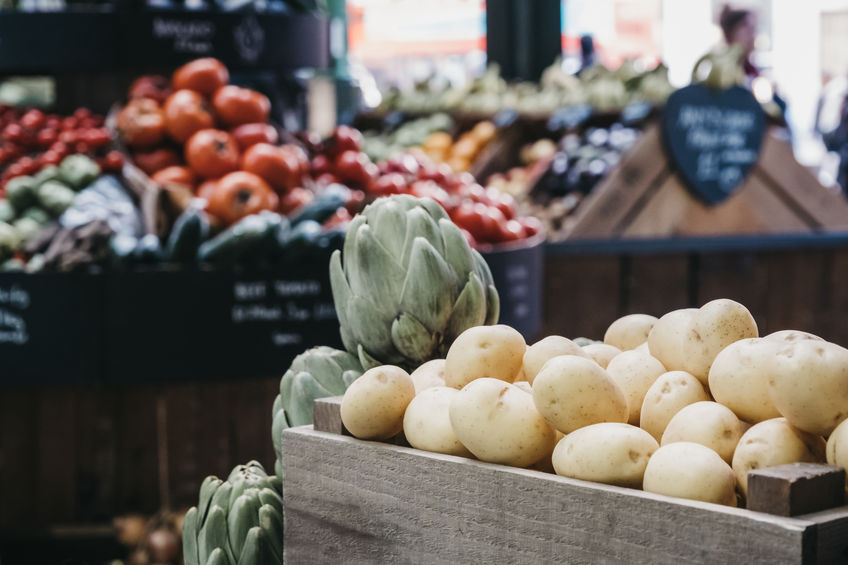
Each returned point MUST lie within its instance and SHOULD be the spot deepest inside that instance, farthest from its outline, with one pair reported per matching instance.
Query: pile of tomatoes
(31, 140)
(199, 131)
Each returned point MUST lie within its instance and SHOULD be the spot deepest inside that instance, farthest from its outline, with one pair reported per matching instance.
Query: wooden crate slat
(797, 282)
(659, 217)
(739, 276)
(640, 173)
(656, 284)
(97, 454)
(798, 186)
(392, 504)
(138, 489)
(57, 450)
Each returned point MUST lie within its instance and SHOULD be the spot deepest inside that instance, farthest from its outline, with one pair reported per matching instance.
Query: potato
(808, 383)
(572, 392)
(629, 332)
(484, 352)
(665, 341)
(427, 424)
(690, 470)
(601, 353)
(669, 394)
(498, 423)
(644, 349)
(428, 375)
(525, 386)
(739, 378)
(837, 449)
(713, 327)
(374, 404)
(614, 454)
(540, 352)
(774, 442)
(634, 372)
(707, 423)
(790, 336)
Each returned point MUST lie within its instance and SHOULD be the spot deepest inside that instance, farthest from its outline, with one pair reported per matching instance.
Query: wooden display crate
(353, 501)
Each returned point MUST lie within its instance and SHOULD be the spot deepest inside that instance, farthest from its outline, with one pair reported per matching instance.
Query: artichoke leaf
(434, 209)
(349, 376)
(493, 306)
(420, 226)
(377, 272)
(370, 327)
(207, 490)
(339, 286)
(218, 557)
(469, 310)
(389, 226)
(269, 497)
(457, 253)
(279, 424)
(351, 234)
(213, 534)
(367, 360)
(412, 339)
(220, 498)
(270, 521)
(256, 549)
(425, 294)
(298, 406)
(244, 515)
(190, 537)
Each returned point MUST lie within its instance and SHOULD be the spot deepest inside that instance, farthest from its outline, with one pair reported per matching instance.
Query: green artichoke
(238, 521)
(407, 284)
(316, 373)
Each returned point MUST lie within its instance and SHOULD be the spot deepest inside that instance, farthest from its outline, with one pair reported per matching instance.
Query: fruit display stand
(394, 503)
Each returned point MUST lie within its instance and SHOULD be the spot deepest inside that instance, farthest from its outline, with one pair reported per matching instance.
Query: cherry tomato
(176, 174)
(15, 170)
(437, 173)
(113, 161)
(405, 164)
(340, 218)
(60, 147)
(49, 158)
(82, 113)
(503, 201)
(141, 123)
(429, 189)
(466, 217)
(235, 105)
(344, 138)
(204, 75)
(53, 121)
(69, 123)
(33, 119)
(155, 87)
(248, 135)
(475, 192)
(392, 183)
(319, 165)
(493, 220)
(356, 202)
(326, 179)
(82, 147)
(69, 137)
(13, 133)
(532, 225)
(47, 137)
(512, 230)
(352, 167)
(28, 165)
(97, 137)
(152, 161)
(294, 199)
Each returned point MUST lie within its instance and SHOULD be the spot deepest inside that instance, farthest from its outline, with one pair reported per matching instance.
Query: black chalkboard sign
(713, 137)
(50, 328)
(242, 40)
(206, 325)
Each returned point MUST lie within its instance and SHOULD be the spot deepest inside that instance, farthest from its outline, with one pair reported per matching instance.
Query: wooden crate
(353, 501)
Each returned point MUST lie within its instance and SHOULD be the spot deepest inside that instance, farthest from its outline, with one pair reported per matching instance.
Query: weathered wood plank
(389, 504)
(797, 284)
(327, 416)
(656, 284)
(796, 488)
(831, 535)
(57, 461)
(742, 277)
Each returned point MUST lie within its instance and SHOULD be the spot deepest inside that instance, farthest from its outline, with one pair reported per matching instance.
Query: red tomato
(437, 173)
(512, 230)
(28, 165)
(113, 161)
(352, 167)
(248, 135)
(47, 137)
(392, 183)
(345, 138)
(33, 119)
(82, 113)
(429, 189)
(532, 225)
(175, 174)
(141, 123)
(206, 188)
(468, 218)
(504, 202)
(13, 133)
(53, 121)
(60, 147)
(326, 179)
(319, 165)
(235, 105)
(156, 87)
(49, 158)
(282, 167)
(356, 202)
(294, 199)
(152, 161)
(405, 164)
(97, 137)
(494, 221)
(69, 123)
(204, 75)
(212, 153)
(475, 192)
(69, 137)
(82, 147)
(186, 112)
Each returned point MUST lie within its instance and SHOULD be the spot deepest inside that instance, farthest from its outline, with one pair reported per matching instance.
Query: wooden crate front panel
(351, 501)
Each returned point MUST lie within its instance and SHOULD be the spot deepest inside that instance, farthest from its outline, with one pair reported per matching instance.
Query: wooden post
(796, 488)
(327, 416)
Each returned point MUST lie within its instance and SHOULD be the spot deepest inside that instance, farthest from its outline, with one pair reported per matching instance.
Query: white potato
(498, 423)
(739, 378)
(644, 348)
(837, 450)
(774, 442)
(713, 327)
(540, 352)
(427, 424)
(374, 404)
(428, 375)
(572, 392)
(525, 386)
(601, 353)
(707, 423)
(665, 341)
(629, 332)
(484, 352)
(690, 470)
(808, 383)
(634, 372)
(610, 453)
(790, 336)
(669, 394)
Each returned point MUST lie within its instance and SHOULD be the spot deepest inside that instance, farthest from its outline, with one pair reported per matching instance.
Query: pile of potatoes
(684, 405)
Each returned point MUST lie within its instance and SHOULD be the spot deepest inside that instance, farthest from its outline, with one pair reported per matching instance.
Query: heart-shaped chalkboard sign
(713, 137)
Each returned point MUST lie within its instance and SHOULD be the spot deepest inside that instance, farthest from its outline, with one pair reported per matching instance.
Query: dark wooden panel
(742, 277)
(655, 284)
(55, 468)
(138, 489)
(581, 295)
(18, 457)
(97, 447)
(796, 287)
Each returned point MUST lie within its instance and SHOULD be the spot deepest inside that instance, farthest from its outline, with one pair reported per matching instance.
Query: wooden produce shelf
(353, 501)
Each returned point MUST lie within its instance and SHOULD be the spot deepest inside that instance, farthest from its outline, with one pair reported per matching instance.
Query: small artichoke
(316, 373)
(407, 284)
(238, 521)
